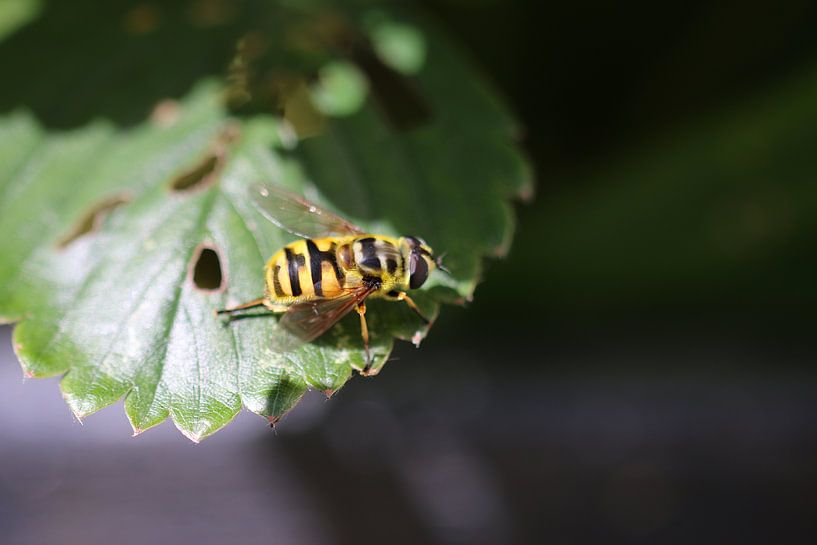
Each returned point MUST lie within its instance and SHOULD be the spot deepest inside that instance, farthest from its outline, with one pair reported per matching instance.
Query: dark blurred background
(639, 370)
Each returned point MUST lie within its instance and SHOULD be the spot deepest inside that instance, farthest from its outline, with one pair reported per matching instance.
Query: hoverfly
(336, 266)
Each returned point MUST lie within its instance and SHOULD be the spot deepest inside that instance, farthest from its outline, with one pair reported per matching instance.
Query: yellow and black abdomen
(309, 269)
(329, 267)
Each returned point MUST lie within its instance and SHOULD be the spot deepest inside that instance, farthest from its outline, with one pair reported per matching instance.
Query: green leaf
(16, 13)
(111, 212)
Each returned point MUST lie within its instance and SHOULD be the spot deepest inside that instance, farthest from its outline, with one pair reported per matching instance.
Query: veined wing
(305, 322)
(297, 215)
(308, 321)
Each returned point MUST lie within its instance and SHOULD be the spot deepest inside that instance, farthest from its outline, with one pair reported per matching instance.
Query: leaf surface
(110, 212)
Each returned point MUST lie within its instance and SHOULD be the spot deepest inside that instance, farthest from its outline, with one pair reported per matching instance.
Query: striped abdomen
(307, 269)
(324, 267)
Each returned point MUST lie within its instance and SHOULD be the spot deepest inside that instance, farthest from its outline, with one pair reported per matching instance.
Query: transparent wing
(297, 215)
(308, 321)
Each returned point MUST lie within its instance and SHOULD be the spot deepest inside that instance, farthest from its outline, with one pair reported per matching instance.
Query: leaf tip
(195, 434)
(81, 405)
(18, 351)
(198, 430)
(78, 416)
(329, 392)
(193, 437)
(373, 371)
(27, 371)
(165, 113)
(527, 192)
(76, 407)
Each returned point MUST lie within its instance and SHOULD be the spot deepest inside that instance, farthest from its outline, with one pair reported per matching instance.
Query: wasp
(334, 268)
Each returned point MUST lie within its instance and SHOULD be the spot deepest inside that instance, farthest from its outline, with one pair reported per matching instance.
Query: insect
(336, 266)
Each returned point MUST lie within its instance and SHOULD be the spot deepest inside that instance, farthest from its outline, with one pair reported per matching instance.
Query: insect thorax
(378, 256)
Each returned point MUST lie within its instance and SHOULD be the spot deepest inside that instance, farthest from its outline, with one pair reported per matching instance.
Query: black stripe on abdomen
(276, 282)
(294, 262)
(316, 259)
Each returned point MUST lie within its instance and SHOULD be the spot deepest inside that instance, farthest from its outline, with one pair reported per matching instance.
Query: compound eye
(418, 271)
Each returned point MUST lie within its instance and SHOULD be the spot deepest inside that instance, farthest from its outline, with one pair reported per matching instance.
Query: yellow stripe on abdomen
(305, 269)
(278, 286)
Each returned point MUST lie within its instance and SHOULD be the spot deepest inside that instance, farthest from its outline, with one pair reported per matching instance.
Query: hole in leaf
(197, 176)
(398, 98)
(91, 220)
(207, 270)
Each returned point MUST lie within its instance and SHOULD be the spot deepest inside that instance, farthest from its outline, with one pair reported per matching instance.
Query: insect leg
(403, 297)
(364, 332)
(249, 304)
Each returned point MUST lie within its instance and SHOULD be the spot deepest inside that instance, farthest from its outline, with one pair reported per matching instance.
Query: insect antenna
(439, 262)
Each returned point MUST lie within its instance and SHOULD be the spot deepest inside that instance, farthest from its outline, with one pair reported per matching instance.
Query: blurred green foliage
(674, 156)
